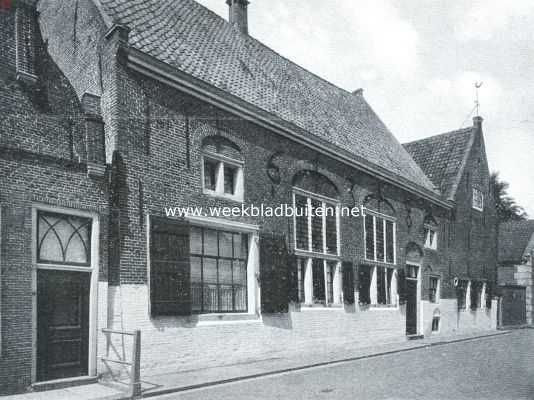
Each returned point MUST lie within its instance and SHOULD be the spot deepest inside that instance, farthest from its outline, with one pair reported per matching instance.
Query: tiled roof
(514, 237)
(194, 40)
(442, 158)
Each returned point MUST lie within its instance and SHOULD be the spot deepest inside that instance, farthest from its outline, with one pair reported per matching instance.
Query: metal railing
(135, 363)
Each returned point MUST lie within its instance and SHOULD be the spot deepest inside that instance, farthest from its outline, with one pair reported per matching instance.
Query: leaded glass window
(379, 239)
(63, 239)
(218, 271)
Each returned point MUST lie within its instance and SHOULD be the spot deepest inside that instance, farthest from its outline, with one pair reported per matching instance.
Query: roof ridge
(439, 135)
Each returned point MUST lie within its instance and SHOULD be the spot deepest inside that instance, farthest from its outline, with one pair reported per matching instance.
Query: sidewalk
(158, 384)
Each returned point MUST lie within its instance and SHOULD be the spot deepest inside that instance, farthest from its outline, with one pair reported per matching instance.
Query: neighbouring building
(516, 247)
(456, 163)
(114, 110)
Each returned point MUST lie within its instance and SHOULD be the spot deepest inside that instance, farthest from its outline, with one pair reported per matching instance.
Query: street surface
(500, 367)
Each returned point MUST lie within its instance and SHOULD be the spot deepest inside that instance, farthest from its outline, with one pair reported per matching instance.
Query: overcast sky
(417, 62)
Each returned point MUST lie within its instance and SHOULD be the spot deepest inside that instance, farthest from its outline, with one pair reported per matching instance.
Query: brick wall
(42, 161)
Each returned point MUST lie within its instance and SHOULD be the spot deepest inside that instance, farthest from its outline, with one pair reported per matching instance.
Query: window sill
(379, 263)
(313, 254)
(235, 198)
(378, 307)
(320, 307)
(222, 319)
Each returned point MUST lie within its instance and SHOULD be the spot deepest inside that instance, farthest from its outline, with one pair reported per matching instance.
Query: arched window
(380, 231)
(222, 168)
(316, 238)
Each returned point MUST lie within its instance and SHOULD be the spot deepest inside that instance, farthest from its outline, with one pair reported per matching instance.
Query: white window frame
(337, 284)
(325, 202)
(92, 269)
(392, 296)
(384, 218)
(253, 268)
(432, 331)
(429, 230)
(239, 186)
(478, 195)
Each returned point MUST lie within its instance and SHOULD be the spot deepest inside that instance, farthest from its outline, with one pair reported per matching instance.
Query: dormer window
(478, 199)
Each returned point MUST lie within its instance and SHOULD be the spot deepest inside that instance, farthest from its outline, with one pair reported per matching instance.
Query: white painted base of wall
(454, 322)
(188, 343)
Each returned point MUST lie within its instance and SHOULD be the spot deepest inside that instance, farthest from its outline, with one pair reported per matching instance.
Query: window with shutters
(316, 227)
(377, 285)
(319, 281)
(379, 238)
(196, 269)
(218, 271)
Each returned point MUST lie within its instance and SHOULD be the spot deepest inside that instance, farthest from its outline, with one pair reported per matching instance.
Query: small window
(431, 238)
(222, 177)
(478, 199)
(433, 289)
(435, 324)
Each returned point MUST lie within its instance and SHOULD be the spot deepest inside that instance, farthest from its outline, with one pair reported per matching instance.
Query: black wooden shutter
(170, 276)
(401, 285)
(489, 294)
(348, 282)
(274, 273)
(425, 295)
(293, 278)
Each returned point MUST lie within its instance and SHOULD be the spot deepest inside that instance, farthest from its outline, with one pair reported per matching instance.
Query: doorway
(62, 324)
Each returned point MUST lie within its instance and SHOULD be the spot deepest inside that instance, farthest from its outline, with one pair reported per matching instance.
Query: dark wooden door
(514, 305)
(411, 306)
(62, 324)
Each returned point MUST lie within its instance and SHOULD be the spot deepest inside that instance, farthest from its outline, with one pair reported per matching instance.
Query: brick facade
(153, 146)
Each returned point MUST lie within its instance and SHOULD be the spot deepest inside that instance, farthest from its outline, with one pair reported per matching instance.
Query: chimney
(238, 14)
(477, 122)
(358, 92)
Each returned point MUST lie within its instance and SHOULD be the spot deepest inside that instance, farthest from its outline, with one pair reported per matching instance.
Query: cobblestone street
(500, 367)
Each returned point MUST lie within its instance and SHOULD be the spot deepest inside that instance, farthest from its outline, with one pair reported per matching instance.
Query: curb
(179, 389)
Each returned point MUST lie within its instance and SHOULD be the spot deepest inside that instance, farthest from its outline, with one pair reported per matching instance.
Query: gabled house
(516, 249)
(457, 165)
(194, 112)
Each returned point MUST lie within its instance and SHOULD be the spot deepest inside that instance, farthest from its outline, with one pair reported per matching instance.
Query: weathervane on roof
(477, 103)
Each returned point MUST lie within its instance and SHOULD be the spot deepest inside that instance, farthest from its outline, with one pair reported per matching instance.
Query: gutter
(162, 72)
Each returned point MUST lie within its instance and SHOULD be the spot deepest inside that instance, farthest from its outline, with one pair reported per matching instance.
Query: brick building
(515, 275)
(159, 104)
